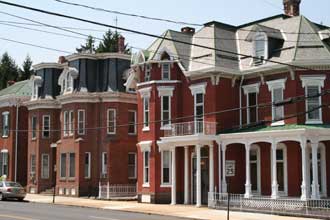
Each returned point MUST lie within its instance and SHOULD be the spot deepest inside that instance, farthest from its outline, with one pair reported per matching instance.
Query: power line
(34, 45)
(173, 21)
(293, 100)
(150, 35)
(129, 14)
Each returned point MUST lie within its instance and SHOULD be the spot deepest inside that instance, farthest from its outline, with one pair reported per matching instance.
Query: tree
(109, 43)
(88, 47)
(8, 70)
(26, 71)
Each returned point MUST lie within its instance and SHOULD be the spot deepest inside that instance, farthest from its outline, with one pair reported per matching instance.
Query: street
(12, 210)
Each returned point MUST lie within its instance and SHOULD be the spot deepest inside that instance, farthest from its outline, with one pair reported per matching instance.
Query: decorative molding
(47, 66)
(251, 88)
(157, 82)
(312, 80)
(215, 80)
(198, 88)
(145, 92)
(145, 145)
(278, 83)
(165, 91)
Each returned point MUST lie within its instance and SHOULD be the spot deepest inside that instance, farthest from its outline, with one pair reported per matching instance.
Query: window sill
(33, 139)
(111, 133)
(5, 136)
(72, 179)
(132, 134)
(132, 178)
(146, 129)
(146, 185)
(277, 123)
(166, 128)
(311, 122)
(167, 185)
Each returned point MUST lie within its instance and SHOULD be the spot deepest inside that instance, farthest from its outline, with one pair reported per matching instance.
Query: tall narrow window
(33, 164)
(81, 121)
(146, 112)
(66, 123)
(63, 165)
(4, 164)
(72, 164)
(71, 123)
(254, 169)
(260, 43)
(278, 111)
(104, 163)
(199, 112)
(252, 107)
(5, 124)
(87, 165)
(45, 126)
(132, 165)
(313, 103)
(166, 110)
(34, 127)
(165, 71)
(132, 122)
(280, 168)
(166, 167)
(111, 121)
(45, 166)
(147, 74)
(146, 168)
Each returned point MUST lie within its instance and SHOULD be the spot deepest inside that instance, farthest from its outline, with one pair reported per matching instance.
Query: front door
(204, 176)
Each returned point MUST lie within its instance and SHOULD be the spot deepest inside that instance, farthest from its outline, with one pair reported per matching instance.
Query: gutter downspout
(16, 138)
(240, 102)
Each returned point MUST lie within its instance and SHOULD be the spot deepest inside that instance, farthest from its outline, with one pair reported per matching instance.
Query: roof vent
(188, 30)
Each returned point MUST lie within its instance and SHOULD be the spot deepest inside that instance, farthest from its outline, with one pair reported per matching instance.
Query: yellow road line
(17, 217)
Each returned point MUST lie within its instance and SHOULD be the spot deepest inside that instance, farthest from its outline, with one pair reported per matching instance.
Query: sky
(234, 12)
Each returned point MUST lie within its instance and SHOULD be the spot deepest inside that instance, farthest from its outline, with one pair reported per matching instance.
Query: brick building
(199, 107)
(13, 140)
(83, 122)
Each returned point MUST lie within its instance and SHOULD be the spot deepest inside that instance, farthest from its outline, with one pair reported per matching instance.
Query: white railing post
(108, 190)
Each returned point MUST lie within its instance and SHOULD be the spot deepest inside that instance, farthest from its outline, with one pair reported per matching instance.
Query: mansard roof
(18, 89)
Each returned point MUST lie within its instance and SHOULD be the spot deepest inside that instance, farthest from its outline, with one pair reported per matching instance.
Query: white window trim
(145, 94)
(35, 91)
(165, 126)
(104, 166)
(135, 165)
(165, 91)
(257, 148)
(146, 184)
(198, 88)
(66, 123)
(71, 123)
(169, 71)
(146, 127)
(83, 122)
(169, 184)
(313, 80)
(264, 35)
(134, 133)
(114, 122)
(285, 167)
(272, 85)
(89, 165)
(6, 113)
(252, 88)
(42, 166)
(43, 126)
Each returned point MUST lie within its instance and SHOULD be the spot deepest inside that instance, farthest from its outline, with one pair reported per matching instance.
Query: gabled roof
(22, 88)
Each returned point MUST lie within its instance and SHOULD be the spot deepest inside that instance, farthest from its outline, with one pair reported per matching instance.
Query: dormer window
(165, 71)
(260, 48)
(66, 79)
(35, 91)
(36, 83)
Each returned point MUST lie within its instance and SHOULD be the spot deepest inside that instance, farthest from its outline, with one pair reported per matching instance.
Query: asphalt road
(12, 210)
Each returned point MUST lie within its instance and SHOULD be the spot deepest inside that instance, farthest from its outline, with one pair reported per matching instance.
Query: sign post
(230, 172)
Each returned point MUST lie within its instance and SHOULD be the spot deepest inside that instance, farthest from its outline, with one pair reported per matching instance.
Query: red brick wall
(265, 168)
(294, 168)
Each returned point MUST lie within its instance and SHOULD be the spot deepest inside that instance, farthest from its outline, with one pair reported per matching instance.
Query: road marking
(17, 217)
(96, 217)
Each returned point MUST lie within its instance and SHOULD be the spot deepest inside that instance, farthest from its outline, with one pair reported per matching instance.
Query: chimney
(61, 59)
(188, 30)
(121, 44)
(292, 7)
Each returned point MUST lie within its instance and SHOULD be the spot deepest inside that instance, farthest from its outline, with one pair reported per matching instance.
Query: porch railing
(288, 206)
(191, 128)
(108, 191)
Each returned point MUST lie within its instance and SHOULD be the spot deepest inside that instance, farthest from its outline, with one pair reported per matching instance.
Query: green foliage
(89, 46)
(8, 70)
(26, 71)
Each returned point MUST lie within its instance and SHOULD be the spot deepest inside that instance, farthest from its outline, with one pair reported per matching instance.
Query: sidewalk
(177, 210)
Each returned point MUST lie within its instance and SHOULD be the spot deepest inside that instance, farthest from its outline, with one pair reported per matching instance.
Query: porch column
(224, 183)
(173, 189)
(248, 192)
(186, 175)
(274, 172)
(219, 166)
(315, 183)
(198, 177)
(211, 171)
(303, 170)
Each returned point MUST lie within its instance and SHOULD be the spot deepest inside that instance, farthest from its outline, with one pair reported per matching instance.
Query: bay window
(81, 121)
(71, 123)
(146, 112)
(66, 123)
(132, 122)
(34, 127)
(45, 126)
(111, 121)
